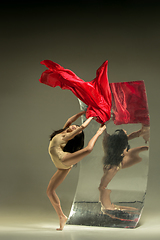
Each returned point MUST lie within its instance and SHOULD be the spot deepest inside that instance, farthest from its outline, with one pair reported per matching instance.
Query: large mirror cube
(113, 178)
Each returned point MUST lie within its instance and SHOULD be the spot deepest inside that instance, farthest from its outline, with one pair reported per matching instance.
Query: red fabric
(129, 103)
(128, 100)
(95, 94)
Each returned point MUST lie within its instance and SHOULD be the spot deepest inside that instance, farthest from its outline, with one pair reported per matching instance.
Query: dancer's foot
(125, 208)
(110, 207)
(114, 207)
(63, 220)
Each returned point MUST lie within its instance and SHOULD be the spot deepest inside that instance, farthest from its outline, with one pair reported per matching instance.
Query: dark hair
(116, 144)
(56, 132)
(72, 145)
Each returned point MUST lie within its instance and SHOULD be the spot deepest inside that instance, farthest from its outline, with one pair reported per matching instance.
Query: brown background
(79, 36)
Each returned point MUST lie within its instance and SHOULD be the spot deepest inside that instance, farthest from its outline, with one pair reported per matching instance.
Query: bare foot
(107, 205)
(110, 207)
(125, 208)
(63, 220)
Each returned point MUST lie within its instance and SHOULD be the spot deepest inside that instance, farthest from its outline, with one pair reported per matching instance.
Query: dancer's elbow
(89, 149)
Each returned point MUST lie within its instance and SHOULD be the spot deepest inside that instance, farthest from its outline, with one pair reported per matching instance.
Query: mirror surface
(113, 177)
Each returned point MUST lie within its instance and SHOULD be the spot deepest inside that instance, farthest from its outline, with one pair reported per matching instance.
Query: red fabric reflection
(128, 100)
(129, 103)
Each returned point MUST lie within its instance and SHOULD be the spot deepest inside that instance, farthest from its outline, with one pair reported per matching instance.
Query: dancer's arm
(73, 158)
(143, 132)
(95, 137)
(68, 136)
(73, 119)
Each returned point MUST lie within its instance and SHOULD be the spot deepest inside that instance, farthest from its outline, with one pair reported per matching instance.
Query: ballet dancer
(66, 149)
(118, 155)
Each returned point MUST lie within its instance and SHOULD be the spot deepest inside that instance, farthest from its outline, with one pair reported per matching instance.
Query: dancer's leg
(55, 181)
(104, 197)
(132, 156)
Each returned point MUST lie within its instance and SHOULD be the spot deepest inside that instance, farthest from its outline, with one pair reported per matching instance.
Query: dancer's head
(120, 139)
(75, 143)
(116, 144)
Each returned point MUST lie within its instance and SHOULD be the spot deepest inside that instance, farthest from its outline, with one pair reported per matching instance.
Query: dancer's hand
(95, 118)
(145, 133)
(101, 129)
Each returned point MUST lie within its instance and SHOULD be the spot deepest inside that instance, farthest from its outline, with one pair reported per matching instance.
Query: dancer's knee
(50, 191)
(101, 187)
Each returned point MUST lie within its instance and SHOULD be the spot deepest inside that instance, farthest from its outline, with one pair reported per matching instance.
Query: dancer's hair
(116, 144)
(72, 145)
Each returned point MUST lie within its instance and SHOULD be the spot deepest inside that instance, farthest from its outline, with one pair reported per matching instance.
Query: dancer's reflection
(118, 155)
(65, 149)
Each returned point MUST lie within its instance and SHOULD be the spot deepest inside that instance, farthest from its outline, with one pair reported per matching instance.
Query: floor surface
(32, 227)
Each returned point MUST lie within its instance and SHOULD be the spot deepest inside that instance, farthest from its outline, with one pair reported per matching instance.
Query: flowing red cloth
(127, 99)
(95, 94)
(129, 103)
